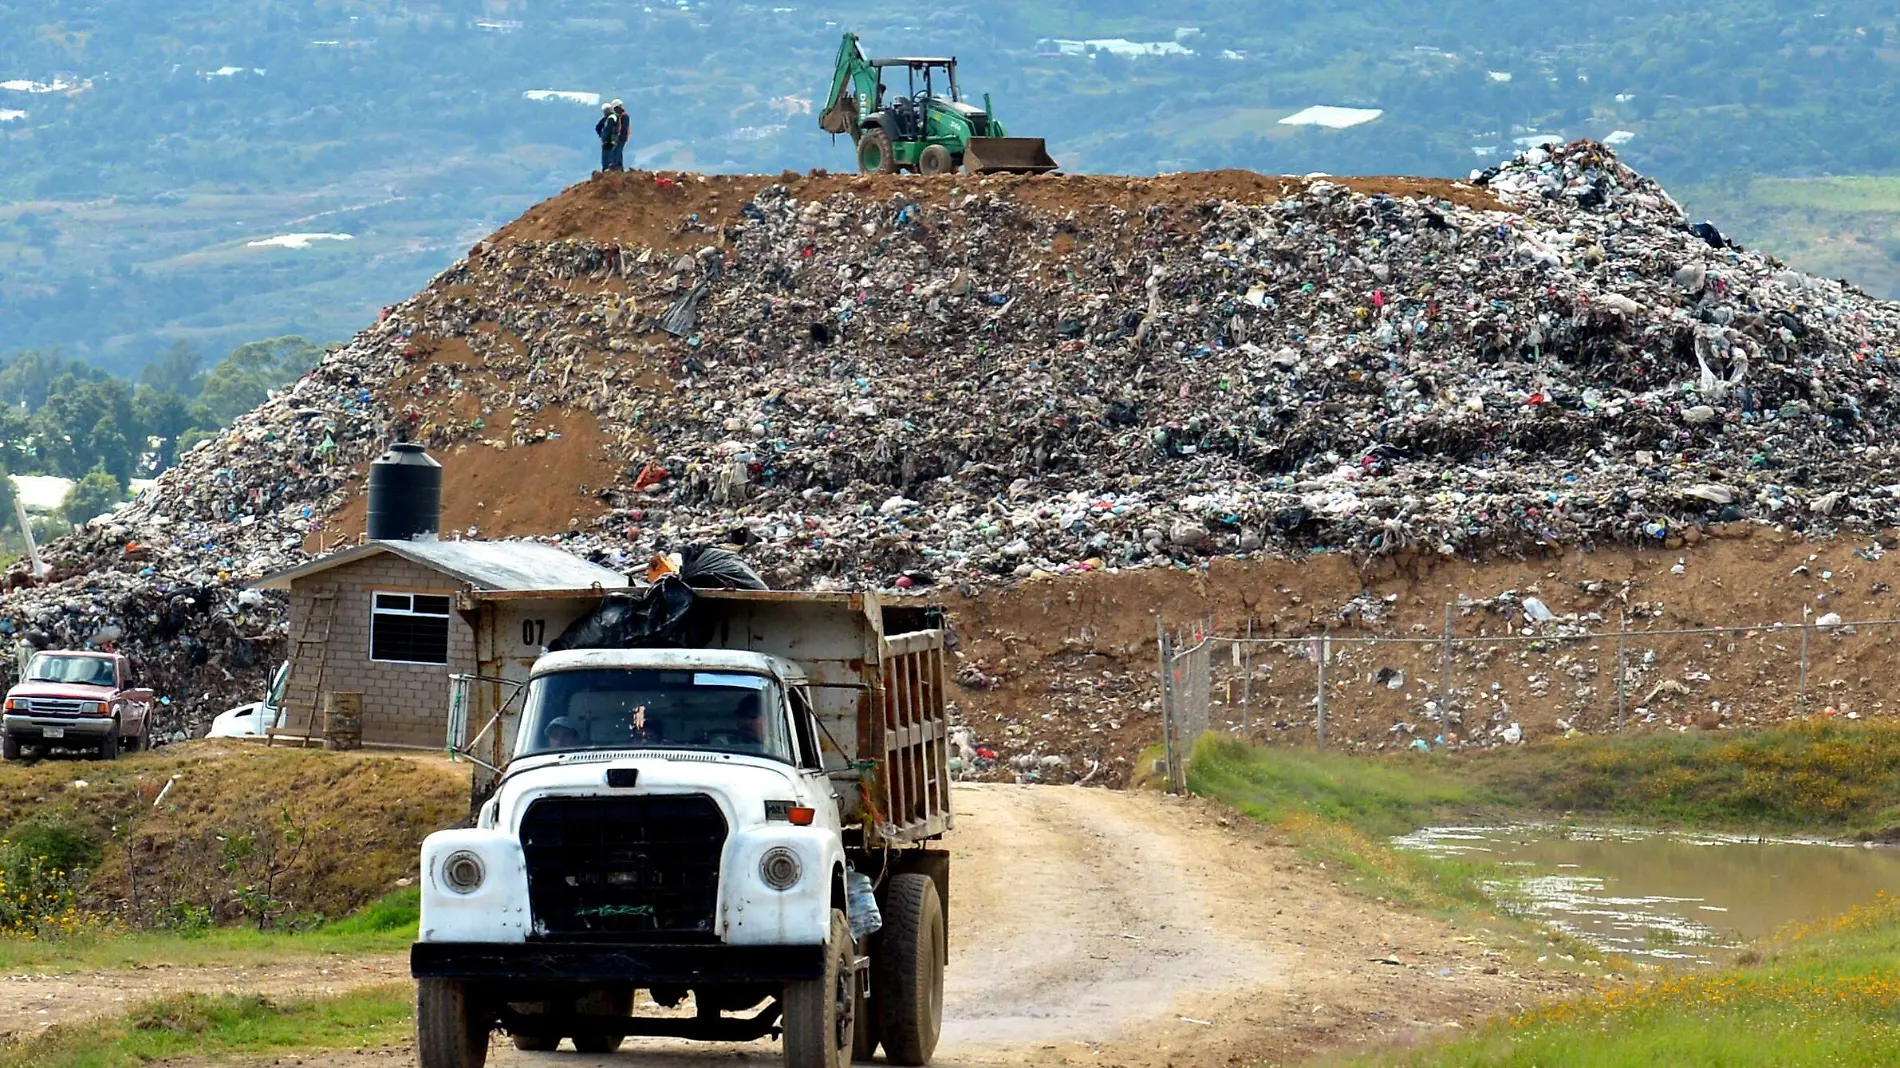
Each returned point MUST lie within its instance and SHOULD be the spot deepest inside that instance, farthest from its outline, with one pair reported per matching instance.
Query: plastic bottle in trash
(861, 905)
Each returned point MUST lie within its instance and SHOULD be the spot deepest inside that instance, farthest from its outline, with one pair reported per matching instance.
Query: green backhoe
(908, 114)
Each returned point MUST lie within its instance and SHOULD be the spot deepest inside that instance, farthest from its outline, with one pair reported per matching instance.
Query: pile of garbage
(911, 382)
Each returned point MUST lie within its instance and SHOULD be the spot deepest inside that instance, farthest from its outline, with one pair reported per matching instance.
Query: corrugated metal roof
(486, 565)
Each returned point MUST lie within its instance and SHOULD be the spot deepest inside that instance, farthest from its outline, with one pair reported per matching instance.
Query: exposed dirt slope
(1066, 665)
(647, 208)
(1091, 927)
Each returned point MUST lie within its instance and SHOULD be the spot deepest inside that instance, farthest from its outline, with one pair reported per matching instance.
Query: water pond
(1663, 898)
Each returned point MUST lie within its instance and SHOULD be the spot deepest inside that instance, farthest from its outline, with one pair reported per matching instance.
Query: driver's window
(809, 755)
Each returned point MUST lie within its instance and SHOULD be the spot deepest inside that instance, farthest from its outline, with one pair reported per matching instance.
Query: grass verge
(1340, 810)
(385, 927)
(1825, 996)
(1820, 777)
(197, 1025)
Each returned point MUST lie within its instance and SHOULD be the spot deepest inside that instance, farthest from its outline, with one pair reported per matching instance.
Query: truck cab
(686, 821)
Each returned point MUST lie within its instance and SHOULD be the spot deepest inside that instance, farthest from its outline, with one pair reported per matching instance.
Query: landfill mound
(916, 382)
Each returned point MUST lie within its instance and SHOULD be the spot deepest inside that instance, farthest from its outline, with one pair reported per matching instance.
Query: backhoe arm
(852, 80)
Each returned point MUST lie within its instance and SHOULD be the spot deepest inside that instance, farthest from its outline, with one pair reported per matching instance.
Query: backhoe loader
(908, 114)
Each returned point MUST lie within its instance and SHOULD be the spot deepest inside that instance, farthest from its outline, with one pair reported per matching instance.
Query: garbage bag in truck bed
(643, 619)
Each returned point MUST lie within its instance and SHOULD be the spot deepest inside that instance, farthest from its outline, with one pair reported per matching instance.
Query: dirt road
(1097, 927)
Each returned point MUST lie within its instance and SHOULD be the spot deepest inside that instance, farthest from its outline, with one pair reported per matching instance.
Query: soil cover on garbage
(962, 385)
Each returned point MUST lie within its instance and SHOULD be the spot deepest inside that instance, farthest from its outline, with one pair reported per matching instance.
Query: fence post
(1325, 646)
(1804, 660)
(1167, 702)
(1622, 665)
(1444, 674)
(1246, 686)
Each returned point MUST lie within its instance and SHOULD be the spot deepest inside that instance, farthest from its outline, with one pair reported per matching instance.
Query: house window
(409, 628)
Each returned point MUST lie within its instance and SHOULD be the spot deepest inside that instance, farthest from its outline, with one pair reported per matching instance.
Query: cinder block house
(392, 620)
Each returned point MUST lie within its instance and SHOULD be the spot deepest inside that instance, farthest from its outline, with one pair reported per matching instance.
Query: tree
(244, 379)
(92, 496)
(161, 417)
(179, 369)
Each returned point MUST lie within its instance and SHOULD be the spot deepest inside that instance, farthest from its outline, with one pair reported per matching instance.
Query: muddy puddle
(1668, 899)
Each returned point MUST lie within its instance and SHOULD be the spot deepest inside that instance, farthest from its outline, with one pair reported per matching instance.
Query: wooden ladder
(303, 688)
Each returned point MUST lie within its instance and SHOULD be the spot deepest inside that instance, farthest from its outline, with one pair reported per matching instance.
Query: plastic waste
(861, 909)
(654, 617)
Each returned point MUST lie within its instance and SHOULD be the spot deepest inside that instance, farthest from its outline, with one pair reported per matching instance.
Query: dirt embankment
(649, 209)
(211, 832)
(1066, 665)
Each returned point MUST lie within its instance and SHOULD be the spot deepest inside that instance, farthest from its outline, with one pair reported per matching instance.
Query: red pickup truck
(76, 700)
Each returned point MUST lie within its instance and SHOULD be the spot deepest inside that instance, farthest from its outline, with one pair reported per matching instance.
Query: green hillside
(145, 145)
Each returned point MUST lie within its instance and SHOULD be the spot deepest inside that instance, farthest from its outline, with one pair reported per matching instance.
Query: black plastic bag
(707, 567)
(651, 618)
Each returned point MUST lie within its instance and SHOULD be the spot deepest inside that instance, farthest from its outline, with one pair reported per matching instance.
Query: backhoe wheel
(874, 154)
(819, 1013)
(602, 1001)
(936, 159)
(908, 975)
(449, 1033)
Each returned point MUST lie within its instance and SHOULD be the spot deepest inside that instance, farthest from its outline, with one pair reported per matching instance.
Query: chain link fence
(1515, 677)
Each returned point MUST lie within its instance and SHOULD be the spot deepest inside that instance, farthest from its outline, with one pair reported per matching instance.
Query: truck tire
(9, 747)
(874, 153)
(602, 1002)
(909, 970)
(537, 1043)
(936, 159)
(109, 745)
(819, 1012)
(448, 1032)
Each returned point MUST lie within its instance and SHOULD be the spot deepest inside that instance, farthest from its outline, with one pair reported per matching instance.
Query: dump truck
(921, 123)
(743, 818)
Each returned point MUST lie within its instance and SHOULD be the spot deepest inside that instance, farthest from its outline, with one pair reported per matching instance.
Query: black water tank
(405, 494)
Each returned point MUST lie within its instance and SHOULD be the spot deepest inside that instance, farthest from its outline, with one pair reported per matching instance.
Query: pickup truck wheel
(9, 747)
(819, 1012)
(109, 745)
(602, 1003)
(909, 970)
(448, 1033)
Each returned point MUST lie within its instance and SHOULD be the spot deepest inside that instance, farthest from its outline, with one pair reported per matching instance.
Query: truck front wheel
(9, 746)
(819, 1013)
(909, 970)
(449, 1032)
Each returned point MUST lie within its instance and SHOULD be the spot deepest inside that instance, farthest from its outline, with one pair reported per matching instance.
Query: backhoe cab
(908, 114)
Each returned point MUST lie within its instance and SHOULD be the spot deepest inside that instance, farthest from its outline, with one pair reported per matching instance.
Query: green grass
(1856, 195)
(1341, 810)
(1828, 996)
(384, 927)
(197, 1025)
(1832, 778)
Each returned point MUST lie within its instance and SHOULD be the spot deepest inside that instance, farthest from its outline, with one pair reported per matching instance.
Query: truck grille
(623, 868)
(48, 706)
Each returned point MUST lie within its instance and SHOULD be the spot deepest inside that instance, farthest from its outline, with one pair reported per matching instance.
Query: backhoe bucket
(1008, 155)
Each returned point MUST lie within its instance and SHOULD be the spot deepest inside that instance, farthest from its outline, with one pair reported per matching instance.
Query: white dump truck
(738, 825)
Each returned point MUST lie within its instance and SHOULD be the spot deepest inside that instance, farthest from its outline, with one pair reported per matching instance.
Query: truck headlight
(462, 872)
(780, 869)
(92, 708)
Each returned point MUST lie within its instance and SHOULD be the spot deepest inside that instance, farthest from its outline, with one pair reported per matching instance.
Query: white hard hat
(606, 107)
(615, 104)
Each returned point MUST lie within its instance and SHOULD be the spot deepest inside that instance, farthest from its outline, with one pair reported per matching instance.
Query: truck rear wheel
(819, 1012)
(909, 970)
(449, 1034)
(602, 1002)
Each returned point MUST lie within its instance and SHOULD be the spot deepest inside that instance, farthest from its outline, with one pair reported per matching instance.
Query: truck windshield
(623, 708)
(81, 670)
